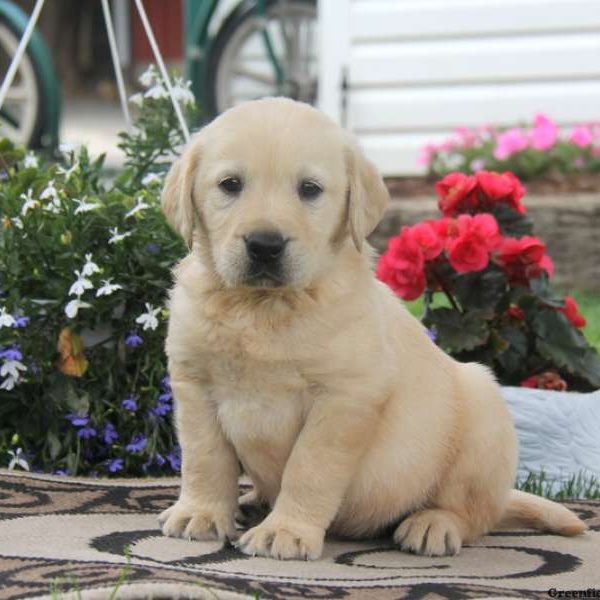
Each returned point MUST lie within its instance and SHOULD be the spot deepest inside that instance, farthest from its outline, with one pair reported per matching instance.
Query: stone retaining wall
(569, 224)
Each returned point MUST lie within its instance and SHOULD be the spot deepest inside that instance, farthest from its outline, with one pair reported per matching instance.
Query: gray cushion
(559, 432)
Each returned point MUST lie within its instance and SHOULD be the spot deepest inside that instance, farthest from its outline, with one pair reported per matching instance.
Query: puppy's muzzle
(265, 250)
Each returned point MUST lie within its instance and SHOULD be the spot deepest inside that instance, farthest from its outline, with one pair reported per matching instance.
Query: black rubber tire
(35, 139)
(244, 11)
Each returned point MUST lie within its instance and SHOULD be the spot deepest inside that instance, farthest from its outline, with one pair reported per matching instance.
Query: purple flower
(115, 465)
(11, 354)
(174, 458)
(20, 321)
(61, 472)
(109, 434)
(130, 403)
(86, 432)
(137, 444)
(78, 420)
(432, 334)
(133, 339)
(165, 397)
(160, 409)
(165, 383)
(159, 459)
(153, 248)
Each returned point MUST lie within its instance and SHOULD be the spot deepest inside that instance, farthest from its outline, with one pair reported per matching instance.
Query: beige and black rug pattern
(55, 529)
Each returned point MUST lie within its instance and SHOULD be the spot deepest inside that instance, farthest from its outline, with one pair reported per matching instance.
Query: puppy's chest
(260, 405)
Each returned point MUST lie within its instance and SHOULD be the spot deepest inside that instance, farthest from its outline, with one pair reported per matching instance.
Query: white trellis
(23, 43)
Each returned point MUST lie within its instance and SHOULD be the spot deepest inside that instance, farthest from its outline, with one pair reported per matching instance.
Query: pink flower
(544, 133)
(426, 154)
(477, 164)
(508, 143)
(581, 136)
(427, 238)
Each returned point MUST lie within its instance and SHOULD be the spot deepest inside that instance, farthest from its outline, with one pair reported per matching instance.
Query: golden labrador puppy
(287, 355)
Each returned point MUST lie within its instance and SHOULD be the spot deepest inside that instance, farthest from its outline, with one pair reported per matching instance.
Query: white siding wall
(417, 69)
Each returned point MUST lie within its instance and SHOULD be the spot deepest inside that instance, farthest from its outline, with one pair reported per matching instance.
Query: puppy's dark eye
(231, 185)
(309, 190)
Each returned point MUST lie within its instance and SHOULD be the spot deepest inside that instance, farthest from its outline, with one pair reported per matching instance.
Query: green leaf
(459, 332)
(483, 289)
(513, 359)
(54, 444)
(558, 341)
(541, 288)
(512, 223)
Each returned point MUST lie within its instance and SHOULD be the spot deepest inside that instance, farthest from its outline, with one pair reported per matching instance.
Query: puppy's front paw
(429, 532)
(198, 521)
(283, 539)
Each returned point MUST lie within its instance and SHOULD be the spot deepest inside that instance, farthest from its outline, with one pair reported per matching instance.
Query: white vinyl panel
(397, 153)
(439, 108)
(376, 20)
(465, 61)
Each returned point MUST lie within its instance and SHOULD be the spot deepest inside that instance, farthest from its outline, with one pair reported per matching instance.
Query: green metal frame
(44, 69)
(197, 16)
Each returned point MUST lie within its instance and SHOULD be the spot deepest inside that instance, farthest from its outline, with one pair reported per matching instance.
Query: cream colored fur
(342, 411)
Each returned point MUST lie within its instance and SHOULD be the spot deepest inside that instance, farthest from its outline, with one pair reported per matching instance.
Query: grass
(578, 486)
(589, 306)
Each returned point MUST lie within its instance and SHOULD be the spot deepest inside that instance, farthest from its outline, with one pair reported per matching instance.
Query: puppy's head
(270, 192)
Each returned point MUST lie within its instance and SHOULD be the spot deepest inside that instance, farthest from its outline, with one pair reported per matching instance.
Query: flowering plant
(485, 283)
(84, 269)
(528, 151)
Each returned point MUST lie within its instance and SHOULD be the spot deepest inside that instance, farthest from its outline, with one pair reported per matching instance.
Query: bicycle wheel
(22, 116)
(239, 67)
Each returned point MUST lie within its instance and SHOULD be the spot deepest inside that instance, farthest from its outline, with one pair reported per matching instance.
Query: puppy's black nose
(265, 246)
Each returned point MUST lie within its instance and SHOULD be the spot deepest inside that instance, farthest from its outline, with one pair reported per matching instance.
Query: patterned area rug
(71, 534)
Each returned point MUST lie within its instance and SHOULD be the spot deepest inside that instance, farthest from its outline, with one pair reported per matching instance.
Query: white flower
(156, 92)
(116, 236)
(137, 99)
(148, 319)
(49, 192)
(72, 308)
(17, 223)
(6, 320)
(67, 147)
(84, 206)
(53, 207)
(68, 172)
(28, 202)
(151, 179)
(30, 161)
(182, 92)
(12, 368)
(149, 76)
(8, 384)
(108, 288)
(81, 284)
(140, 205)
(17, 460)
(90, 266)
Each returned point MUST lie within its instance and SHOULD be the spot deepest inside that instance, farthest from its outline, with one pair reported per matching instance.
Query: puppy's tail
(528, 510)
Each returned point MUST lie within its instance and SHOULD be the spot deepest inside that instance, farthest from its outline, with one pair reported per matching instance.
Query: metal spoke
(254, 75)
(17, 94)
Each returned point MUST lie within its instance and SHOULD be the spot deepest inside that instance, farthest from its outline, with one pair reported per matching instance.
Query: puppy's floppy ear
(368, 196)
(177, 196)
